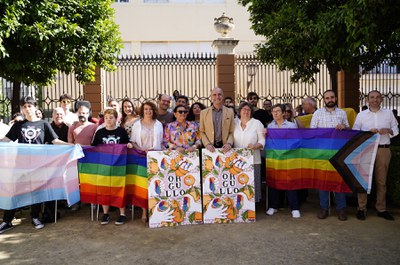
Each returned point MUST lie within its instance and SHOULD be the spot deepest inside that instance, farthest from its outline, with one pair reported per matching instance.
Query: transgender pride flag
(36, 173)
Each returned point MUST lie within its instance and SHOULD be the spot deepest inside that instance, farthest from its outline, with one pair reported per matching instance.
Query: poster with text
(228, 186)
(174, 188)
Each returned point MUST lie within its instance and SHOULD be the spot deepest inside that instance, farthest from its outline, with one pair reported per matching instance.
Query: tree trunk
(16, 97)
(333, 69)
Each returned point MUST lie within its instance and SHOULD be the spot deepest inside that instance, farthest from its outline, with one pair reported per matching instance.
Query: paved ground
(279, 239)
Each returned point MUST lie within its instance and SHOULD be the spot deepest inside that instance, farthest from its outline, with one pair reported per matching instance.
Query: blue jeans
(339, 197)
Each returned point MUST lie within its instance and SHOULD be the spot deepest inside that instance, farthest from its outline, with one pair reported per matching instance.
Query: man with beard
(61, 129)
(267, 105)
(331, 117)
(258, 114)
(163, 115)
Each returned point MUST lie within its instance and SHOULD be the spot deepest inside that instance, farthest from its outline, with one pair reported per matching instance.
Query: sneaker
(105, 219)
(37, 224)
(5, 226)
(360, 215)
(386, 215)
(323, 213)
(121, 220)
(296, 214)
(271, 211)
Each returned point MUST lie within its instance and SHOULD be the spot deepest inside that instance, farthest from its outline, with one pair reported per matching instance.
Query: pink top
(81, 133)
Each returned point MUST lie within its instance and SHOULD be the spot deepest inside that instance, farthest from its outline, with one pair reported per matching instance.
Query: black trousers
(9, 214)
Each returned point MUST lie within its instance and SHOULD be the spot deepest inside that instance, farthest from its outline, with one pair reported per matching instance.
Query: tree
(302, 34)
(40, 37)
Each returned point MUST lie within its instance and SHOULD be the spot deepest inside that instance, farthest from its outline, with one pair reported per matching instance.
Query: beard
(330, 104)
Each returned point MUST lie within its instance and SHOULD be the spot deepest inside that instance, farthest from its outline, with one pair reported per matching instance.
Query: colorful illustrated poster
(228, 186)
(174, 188)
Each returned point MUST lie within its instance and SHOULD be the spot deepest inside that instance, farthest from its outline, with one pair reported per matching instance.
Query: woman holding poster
(147, 134)
(249, 133)
(181, 135)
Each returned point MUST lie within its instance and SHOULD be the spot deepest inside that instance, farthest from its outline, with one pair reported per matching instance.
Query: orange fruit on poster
(208, 164)
(198, 216)
(153, 166)
(243, 178)
(251, 215)
(189, 180)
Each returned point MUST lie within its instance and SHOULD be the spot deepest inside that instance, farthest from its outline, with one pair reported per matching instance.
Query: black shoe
(5, 226)
(361, 215)
(121, 220)
(105, 219)
(323, 213)
(386, 215)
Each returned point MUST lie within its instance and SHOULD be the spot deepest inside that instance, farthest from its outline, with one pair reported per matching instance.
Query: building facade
(179, 26)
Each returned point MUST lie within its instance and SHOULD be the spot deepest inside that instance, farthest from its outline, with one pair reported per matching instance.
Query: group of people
(187, 128)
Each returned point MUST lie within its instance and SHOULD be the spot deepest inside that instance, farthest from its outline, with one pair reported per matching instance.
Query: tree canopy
(40, 37)
(301, 34)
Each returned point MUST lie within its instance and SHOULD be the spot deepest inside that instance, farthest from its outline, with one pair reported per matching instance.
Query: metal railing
(144, 77)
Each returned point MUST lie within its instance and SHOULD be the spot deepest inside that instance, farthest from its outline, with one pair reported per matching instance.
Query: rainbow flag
(136, 178)
(299, 158)
(114, 175)
(102, 174)
(37, 173)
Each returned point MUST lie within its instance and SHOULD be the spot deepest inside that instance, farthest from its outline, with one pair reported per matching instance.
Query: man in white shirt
(331, 117)
(382, 121)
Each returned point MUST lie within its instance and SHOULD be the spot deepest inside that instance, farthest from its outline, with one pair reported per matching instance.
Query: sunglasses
(182, 111)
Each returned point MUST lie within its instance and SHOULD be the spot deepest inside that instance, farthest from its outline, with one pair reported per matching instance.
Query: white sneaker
(37, 224)
(271, 211)
(296, 214)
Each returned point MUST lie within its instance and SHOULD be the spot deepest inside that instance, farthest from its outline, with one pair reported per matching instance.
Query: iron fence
(144, 77)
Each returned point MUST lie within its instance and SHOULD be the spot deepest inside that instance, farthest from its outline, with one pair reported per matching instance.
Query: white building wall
(184, 25)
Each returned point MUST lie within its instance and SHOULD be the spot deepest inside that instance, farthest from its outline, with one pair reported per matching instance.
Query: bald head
(217, 96)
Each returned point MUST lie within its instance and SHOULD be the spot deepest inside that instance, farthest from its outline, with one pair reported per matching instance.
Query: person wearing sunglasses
(65, 104)
(181, 135)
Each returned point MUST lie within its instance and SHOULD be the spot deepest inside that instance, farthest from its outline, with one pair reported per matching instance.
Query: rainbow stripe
(136, 178)
(113, 175)
(38, 173)
(102, 174)
(299, 158)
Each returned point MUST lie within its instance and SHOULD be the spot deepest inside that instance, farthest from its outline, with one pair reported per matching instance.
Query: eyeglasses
(288, 111)
(182, 111)
(66, 101)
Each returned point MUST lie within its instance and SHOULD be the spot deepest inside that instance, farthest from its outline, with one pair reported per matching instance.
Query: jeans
(324, 200)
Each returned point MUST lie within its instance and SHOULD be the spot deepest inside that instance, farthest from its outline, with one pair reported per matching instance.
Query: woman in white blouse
(249, 133)
(147, 134)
